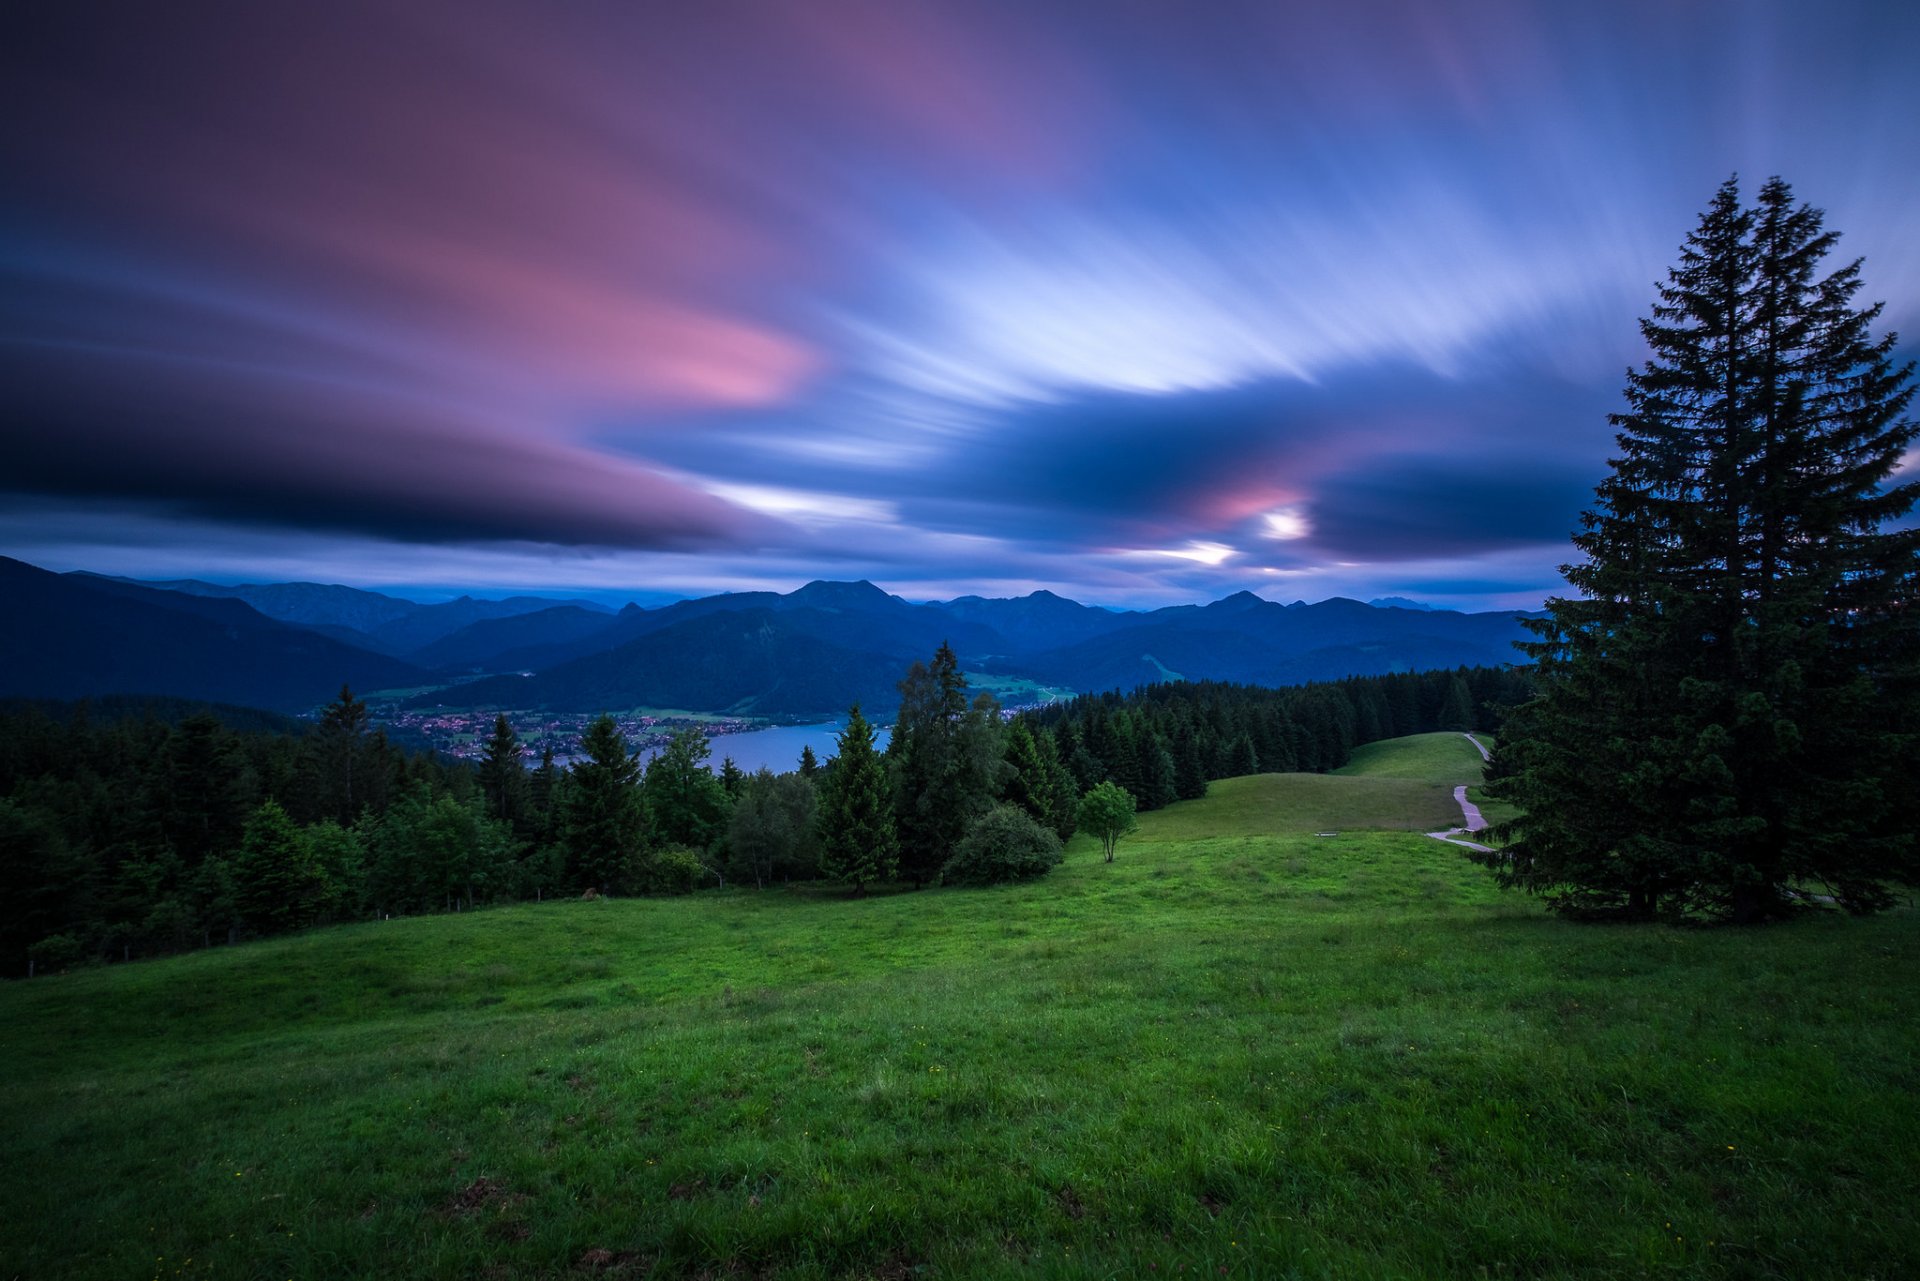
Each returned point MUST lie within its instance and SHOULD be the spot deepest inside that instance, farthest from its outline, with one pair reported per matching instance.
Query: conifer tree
(858, 845)
(605, 824)
(686, 804)
(279, 884)
(1727, 706)
(503, 777)
(338, 746)
(944, 755)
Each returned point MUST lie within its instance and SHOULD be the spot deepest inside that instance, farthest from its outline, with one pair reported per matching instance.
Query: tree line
(162, 828)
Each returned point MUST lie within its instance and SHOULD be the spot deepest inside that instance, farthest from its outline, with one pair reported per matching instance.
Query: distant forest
(131, 828)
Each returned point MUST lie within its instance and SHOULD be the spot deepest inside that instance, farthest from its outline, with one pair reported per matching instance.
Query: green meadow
(1242, 1049)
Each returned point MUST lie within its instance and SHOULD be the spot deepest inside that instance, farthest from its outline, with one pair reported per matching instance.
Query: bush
(54, 953)
(674, 869)
(1004, 844)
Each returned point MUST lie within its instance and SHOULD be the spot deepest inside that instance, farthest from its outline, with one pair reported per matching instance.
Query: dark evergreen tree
(1026, 783)
(809, 763)
(1189, 765)
(1456, 706)
(1727, 707)
(686, 804)
(1158, 780)
(543, 799)
(337, 749)
(605, 831)
(279, 883)
(503, 776)
(945, 755)
(858, 844)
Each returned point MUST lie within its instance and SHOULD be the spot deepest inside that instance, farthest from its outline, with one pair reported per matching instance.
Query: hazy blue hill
(820, 647)
(480, 645)
(426, 624)
(745, 662)
(1038, 621)
(856, 616)
(368, 620)
(74, 636)
(1259, 642)
(320, 605)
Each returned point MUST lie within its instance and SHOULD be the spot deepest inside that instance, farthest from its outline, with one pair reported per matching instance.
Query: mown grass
(1234, 1049)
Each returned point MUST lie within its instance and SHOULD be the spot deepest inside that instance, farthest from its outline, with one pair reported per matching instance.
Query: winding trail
(1475, 822)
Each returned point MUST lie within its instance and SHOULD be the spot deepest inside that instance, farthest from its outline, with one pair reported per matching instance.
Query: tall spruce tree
(503, 776)
(858, 845)
(686, 804)
(339, 748)
(605, 822)
(945, 756)
(1728, 705)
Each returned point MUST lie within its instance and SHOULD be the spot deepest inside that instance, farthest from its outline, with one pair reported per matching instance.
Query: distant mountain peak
(1241, 600)
(1401, 602)
(822, 591)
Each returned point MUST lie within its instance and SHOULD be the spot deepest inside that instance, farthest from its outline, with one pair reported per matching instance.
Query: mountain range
(289, 646)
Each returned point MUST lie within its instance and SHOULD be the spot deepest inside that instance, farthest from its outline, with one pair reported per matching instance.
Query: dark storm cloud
(1378, 461)
(138, 430)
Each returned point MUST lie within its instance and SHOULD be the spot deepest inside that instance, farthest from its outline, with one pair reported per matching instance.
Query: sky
(1139, 301)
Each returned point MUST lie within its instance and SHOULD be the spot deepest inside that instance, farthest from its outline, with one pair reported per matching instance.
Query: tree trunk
(1752, 904)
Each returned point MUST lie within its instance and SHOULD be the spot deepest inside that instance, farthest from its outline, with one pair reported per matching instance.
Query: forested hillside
(138, 828)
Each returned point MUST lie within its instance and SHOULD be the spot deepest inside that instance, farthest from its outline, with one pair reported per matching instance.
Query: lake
(778, 747)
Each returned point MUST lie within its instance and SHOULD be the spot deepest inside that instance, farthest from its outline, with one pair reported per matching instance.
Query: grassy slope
(1234, 1048)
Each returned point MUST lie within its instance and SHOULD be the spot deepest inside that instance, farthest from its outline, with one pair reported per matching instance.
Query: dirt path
(1471, 812)
(1468, 810)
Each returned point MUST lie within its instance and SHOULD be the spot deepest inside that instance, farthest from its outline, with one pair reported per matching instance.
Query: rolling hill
(69, 636)
(1233, 1051)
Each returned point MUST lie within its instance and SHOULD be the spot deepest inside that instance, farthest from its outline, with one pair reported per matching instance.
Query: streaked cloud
(985, 296)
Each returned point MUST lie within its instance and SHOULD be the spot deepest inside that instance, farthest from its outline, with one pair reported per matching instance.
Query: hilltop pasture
(1241, 1049)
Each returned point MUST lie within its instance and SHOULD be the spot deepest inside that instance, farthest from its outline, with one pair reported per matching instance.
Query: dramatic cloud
(1134, 304)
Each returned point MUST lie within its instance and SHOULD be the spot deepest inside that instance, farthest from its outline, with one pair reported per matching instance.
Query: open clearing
(1240, 1049)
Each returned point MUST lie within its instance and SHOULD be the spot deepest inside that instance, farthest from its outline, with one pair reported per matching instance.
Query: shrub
(674, 869)
(1004, 844)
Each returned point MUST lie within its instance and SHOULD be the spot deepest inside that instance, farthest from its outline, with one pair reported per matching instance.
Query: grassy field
(1238, 1050)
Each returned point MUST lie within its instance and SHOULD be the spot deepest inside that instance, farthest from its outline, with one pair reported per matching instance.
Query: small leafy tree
(1107, 812)
(772, 829)
(1004, 844)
